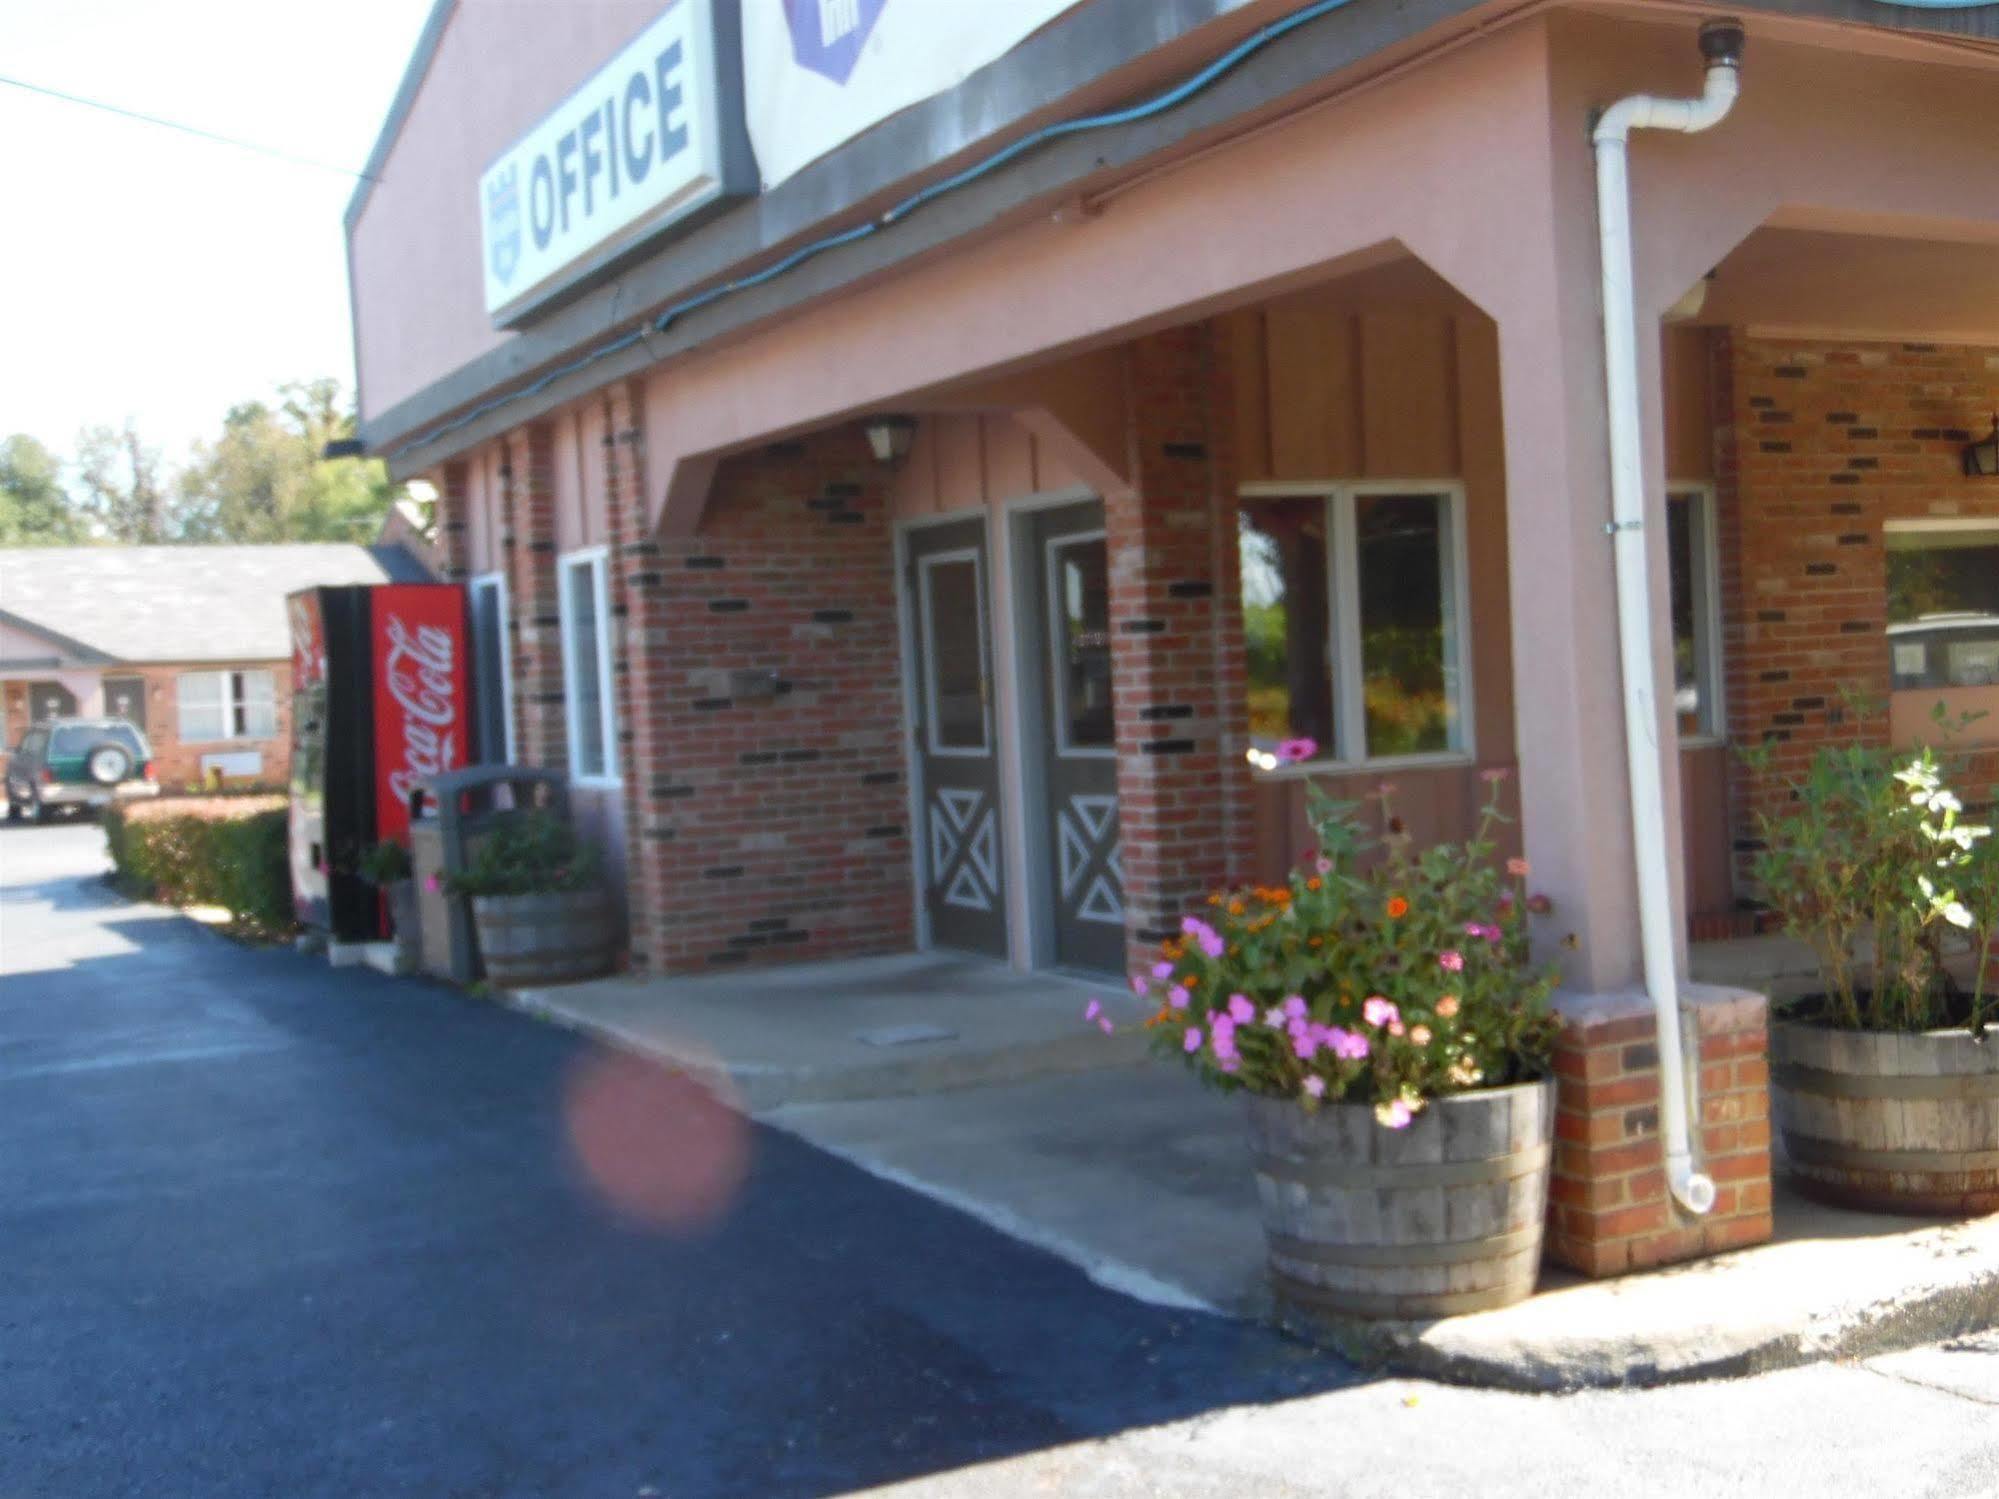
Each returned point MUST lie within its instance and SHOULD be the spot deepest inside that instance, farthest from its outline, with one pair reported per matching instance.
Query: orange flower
(1235, 908)
(1397, 908)
(1313, 883)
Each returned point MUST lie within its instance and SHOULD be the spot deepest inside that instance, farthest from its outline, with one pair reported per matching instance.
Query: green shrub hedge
(206, 852)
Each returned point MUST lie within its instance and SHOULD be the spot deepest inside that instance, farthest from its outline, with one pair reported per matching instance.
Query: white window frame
(1349, 752)
(1981, 525)
(1708, 667)
(924, 566)
(597, 559)
(233, 703)
(504, 615)
(1057, 666)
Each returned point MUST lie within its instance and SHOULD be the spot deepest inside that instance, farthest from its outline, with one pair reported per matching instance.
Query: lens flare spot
(661, 1147)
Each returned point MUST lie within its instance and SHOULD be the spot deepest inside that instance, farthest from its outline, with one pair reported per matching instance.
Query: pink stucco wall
(415, 251)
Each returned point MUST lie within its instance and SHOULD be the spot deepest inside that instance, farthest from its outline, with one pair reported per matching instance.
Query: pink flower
(1316, 1086)
(1452, 961)
(1474, 929)
(1177, 997)
(1212, 945)
(1323, 864)
(1379, 1012)
(1205, 935)
(1191, 1043)
(1275, 1018)
(431, 883)
(1092, 1010)
(1420, 1034)
(1294, 1006)
(1305, 1043)
(1230, 1064)
(1162, 970)
(1104, 1025)
(1348, 1046)
(1447, 1006)
(1519, 868)
(1241, 1011)
(1495, 775)
(1293, 751)
(1505, 902)
(1138, 985)
(1395, 1113)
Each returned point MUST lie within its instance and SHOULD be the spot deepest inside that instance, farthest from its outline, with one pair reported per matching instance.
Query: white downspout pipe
(1721, 44)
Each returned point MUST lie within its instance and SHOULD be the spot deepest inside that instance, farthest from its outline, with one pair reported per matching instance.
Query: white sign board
(819, 72)
(651, 137)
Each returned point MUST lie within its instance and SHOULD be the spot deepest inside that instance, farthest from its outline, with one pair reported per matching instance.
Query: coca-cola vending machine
(380, 700)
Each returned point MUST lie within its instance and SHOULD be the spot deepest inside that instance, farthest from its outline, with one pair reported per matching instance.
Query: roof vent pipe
(1721, 46)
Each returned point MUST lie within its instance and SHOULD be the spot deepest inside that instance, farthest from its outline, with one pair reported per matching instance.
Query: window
(492, 665)
(954, 653)
(586, 666)
(1353, 617)
(219, 705)
(75, 741)
(1080, 636)
(1943, 605)
(1690, 542)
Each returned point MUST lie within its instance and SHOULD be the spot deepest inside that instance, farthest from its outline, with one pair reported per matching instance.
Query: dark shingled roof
(181, 603)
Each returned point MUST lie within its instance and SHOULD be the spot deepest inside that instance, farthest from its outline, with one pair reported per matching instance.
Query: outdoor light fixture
(1981, 459)
(891, 438)
(344, 447)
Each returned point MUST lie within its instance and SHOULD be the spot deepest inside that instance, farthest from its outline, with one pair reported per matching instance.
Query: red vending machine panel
(422, 703)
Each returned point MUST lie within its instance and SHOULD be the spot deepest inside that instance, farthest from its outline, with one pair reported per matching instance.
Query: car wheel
(14, 812)
(108, 764)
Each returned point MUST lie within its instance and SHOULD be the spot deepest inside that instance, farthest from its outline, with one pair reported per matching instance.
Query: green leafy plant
(1875, 866)
(384, 864)
(530, 852)
(227, 852)
(1389, 981)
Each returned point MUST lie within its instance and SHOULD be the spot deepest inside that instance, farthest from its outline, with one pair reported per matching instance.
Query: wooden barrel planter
(1442, 1217)
(1894, 1123)
(544, 939)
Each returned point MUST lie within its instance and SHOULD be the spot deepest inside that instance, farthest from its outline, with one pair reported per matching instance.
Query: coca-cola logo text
(420, 678)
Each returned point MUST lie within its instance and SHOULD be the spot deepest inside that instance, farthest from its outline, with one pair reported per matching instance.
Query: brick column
(1609, 1210)
(453, 537)
(1184, 790)
(527, 544)
(635, 602)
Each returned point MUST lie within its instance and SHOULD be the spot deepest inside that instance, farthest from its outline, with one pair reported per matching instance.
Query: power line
(194, 130)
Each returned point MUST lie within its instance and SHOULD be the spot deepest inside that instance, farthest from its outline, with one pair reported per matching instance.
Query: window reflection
(1286, 623)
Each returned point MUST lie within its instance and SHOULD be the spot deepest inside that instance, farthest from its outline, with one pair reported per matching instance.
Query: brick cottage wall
(1185, 794)
(1823, 444)
(527, 552)
(1609, 1210)
(177, 765)
(770, 829)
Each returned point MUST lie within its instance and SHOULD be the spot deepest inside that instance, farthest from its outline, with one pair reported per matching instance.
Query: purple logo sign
(827, 35)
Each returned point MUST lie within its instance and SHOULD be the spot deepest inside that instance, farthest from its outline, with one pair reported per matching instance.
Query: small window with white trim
(1353, 599)
(214, 706)
(492, 661)
(1690, 544)
(953, 606)
(586, 665)
(1943, 605)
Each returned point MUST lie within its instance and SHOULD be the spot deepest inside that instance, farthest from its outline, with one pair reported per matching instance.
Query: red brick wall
(527, 547)
(1185, 795)
(1609, 1210)
(772, 830)
(1824, 443)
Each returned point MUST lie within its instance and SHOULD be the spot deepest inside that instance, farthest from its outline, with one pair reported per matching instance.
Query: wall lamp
(890, 438)
(1981, 459)
(344, 447)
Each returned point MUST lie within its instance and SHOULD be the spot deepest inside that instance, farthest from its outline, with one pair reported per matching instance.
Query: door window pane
(1409, 672)
(954, 644)
(489, 661)
(1943, 608)
(1080, 582)
(1286, 624)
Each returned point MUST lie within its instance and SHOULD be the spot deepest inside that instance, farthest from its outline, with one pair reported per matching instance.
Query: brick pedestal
(1609, 1209)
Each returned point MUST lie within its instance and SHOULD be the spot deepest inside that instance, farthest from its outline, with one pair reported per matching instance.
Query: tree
(124, 499)
(264, 479)
(35, 510)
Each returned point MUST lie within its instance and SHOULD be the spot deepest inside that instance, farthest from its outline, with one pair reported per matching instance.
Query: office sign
(819, 72)
(651, 139)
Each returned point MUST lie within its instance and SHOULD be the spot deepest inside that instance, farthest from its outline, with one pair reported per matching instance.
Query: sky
(150, 275)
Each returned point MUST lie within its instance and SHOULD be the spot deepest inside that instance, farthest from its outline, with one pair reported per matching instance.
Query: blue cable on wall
(1158, 105)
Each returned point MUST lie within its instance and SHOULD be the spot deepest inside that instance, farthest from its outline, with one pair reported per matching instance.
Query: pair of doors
(1061, 601)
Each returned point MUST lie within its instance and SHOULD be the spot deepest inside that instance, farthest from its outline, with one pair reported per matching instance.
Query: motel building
(914, 463)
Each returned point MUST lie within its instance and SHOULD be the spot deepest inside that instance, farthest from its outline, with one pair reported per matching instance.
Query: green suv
(77, 762)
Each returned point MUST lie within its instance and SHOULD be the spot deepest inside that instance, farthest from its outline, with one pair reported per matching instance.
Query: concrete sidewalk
(983, 1088)
(862, 1028)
